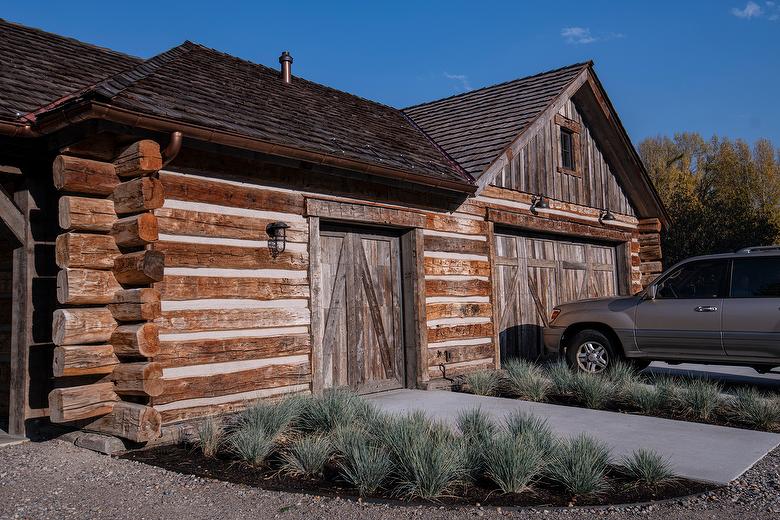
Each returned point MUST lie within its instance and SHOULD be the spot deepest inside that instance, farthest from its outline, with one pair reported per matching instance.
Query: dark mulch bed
(190, 461)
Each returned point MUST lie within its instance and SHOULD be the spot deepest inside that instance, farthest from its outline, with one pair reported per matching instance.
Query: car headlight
(554, 314)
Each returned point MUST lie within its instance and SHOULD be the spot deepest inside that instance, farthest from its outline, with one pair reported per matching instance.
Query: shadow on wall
(522, 341)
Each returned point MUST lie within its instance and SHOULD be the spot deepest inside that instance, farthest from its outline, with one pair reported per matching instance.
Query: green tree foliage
(721, 195)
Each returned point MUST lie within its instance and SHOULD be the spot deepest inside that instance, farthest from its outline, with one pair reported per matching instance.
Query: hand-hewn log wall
(104, 328)
(202, 319)
(235, 321)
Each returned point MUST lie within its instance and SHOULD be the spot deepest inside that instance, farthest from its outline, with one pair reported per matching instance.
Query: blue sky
(706, 66)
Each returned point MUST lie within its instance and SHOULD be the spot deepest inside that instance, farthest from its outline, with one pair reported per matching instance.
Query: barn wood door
(534, 274)
(362, 341)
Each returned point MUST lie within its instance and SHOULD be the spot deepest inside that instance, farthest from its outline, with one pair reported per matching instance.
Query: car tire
(590, 351)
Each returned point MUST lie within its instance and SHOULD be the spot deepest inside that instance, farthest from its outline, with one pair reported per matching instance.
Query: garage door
(536, 273)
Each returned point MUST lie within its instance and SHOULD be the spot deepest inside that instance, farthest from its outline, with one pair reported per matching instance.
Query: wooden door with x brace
(362, 342)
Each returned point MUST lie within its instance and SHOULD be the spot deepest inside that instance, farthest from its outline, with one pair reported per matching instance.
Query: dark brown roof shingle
(38, 68)
(200, 86)
(475, 127)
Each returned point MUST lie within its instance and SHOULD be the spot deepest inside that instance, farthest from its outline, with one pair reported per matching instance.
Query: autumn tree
(721, 195)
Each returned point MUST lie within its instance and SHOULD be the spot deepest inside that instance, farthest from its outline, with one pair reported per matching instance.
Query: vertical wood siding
(535, 170)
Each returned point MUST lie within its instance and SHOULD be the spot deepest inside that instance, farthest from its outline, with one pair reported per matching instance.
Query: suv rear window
(705, 279)
(756, 278)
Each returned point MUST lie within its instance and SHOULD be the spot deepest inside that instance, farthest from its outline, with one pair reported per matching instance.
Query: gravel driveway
(56, 480)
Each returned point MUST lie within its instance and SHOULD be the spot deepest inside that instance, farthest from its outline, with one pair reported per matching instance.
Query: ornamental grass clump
(252, 444)
(751, 408)
(580, 465)
(513, 463)
(647, 467)
(525, 380)
(561, 377)
(669, 388)
(647, 399)
(427, 457)
(699, 398)
(270, 418)
(477, 430)
(592, 390)
(335, 407)
(363, 463)
(484, 382)
(623, 376)
(257, 431)
(306, 456)
(211, 435)
(533, 429)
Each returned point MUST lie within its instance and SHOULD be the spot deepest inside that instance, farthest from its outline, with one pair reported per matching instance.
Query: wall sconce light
(538, 202)
(277, 237)
(605, 215)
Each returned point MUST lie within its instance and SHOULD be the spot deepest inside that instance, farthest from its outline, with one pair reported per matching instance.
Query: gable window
(567, 149)
(568, 146)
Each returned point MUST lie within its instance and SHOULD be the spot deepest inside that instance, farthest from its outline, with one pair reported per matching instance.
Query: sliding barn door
(362, 341)
(536, 274)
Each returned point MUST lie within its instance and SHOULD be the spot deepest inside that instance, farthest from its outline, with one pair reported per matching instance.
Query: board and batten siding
(535, 169)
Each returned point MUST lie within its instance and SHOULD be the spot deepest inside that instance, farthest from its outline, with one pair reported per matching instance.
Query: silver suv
(715, 309)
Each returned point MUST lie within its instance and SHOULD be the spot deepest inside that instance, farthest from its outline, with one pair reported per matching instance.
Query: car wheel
(590, 351)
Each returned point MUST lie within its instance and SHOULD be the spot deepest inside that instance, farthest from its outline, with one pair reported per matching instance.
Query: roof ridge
(70, 38)
(113, 85)
(300, 78)
(582, 64)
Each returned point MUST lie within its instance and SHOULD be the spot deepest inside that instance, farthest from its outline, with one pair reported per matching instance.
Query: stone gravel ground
(56, 480)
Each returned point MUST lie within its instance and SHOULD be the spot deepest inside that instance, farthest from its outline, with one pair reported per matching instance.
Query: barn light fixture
(605, 215)
(277, 237)
(538, 202)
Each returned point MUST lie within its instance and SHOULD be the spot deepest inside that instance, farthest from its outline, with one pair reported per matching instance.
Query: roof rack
(758, 249)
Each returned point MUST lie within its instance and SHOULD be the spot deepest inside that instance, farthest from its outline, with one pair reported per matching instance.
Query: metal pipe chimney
(286, 61)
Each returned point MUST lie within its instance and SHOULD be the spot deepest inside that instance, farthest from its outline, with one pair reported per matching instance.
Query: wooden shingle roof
(38, 68)
(200, 86)
(475, 127)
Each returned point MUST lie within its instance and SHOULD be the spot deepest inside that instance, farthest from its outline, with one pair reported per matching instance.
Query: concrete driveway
(725, 374)
(696, 451)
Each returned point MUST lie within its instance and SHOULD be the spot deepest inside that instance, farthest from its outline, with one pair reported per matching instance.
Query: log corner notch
(646, 253)
(107, 271)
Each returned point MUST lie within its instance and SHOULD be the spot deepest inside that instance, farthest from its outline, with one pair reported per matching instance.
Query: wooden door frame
(14, 215)
(412, 300)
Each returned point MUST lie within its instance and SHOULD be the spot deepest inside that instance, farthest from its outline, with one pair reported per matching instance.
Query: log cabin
(187, 234)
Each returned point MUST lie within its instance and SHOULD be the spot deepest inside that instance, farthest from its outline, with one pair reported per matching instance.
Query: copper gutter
(95, 110)
(17, 129)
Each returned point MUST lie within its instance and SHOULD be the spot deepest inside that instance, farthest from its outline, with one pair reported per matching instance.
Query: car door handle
(706, 308)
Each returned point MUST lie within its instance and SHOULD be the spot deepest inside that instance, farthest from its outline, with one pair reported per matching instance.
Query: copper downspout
(173, 148)
(94, 110)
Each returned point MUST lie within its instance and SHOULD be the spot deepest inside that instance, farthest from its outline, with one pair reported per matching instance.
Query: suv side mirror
(652, 291)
